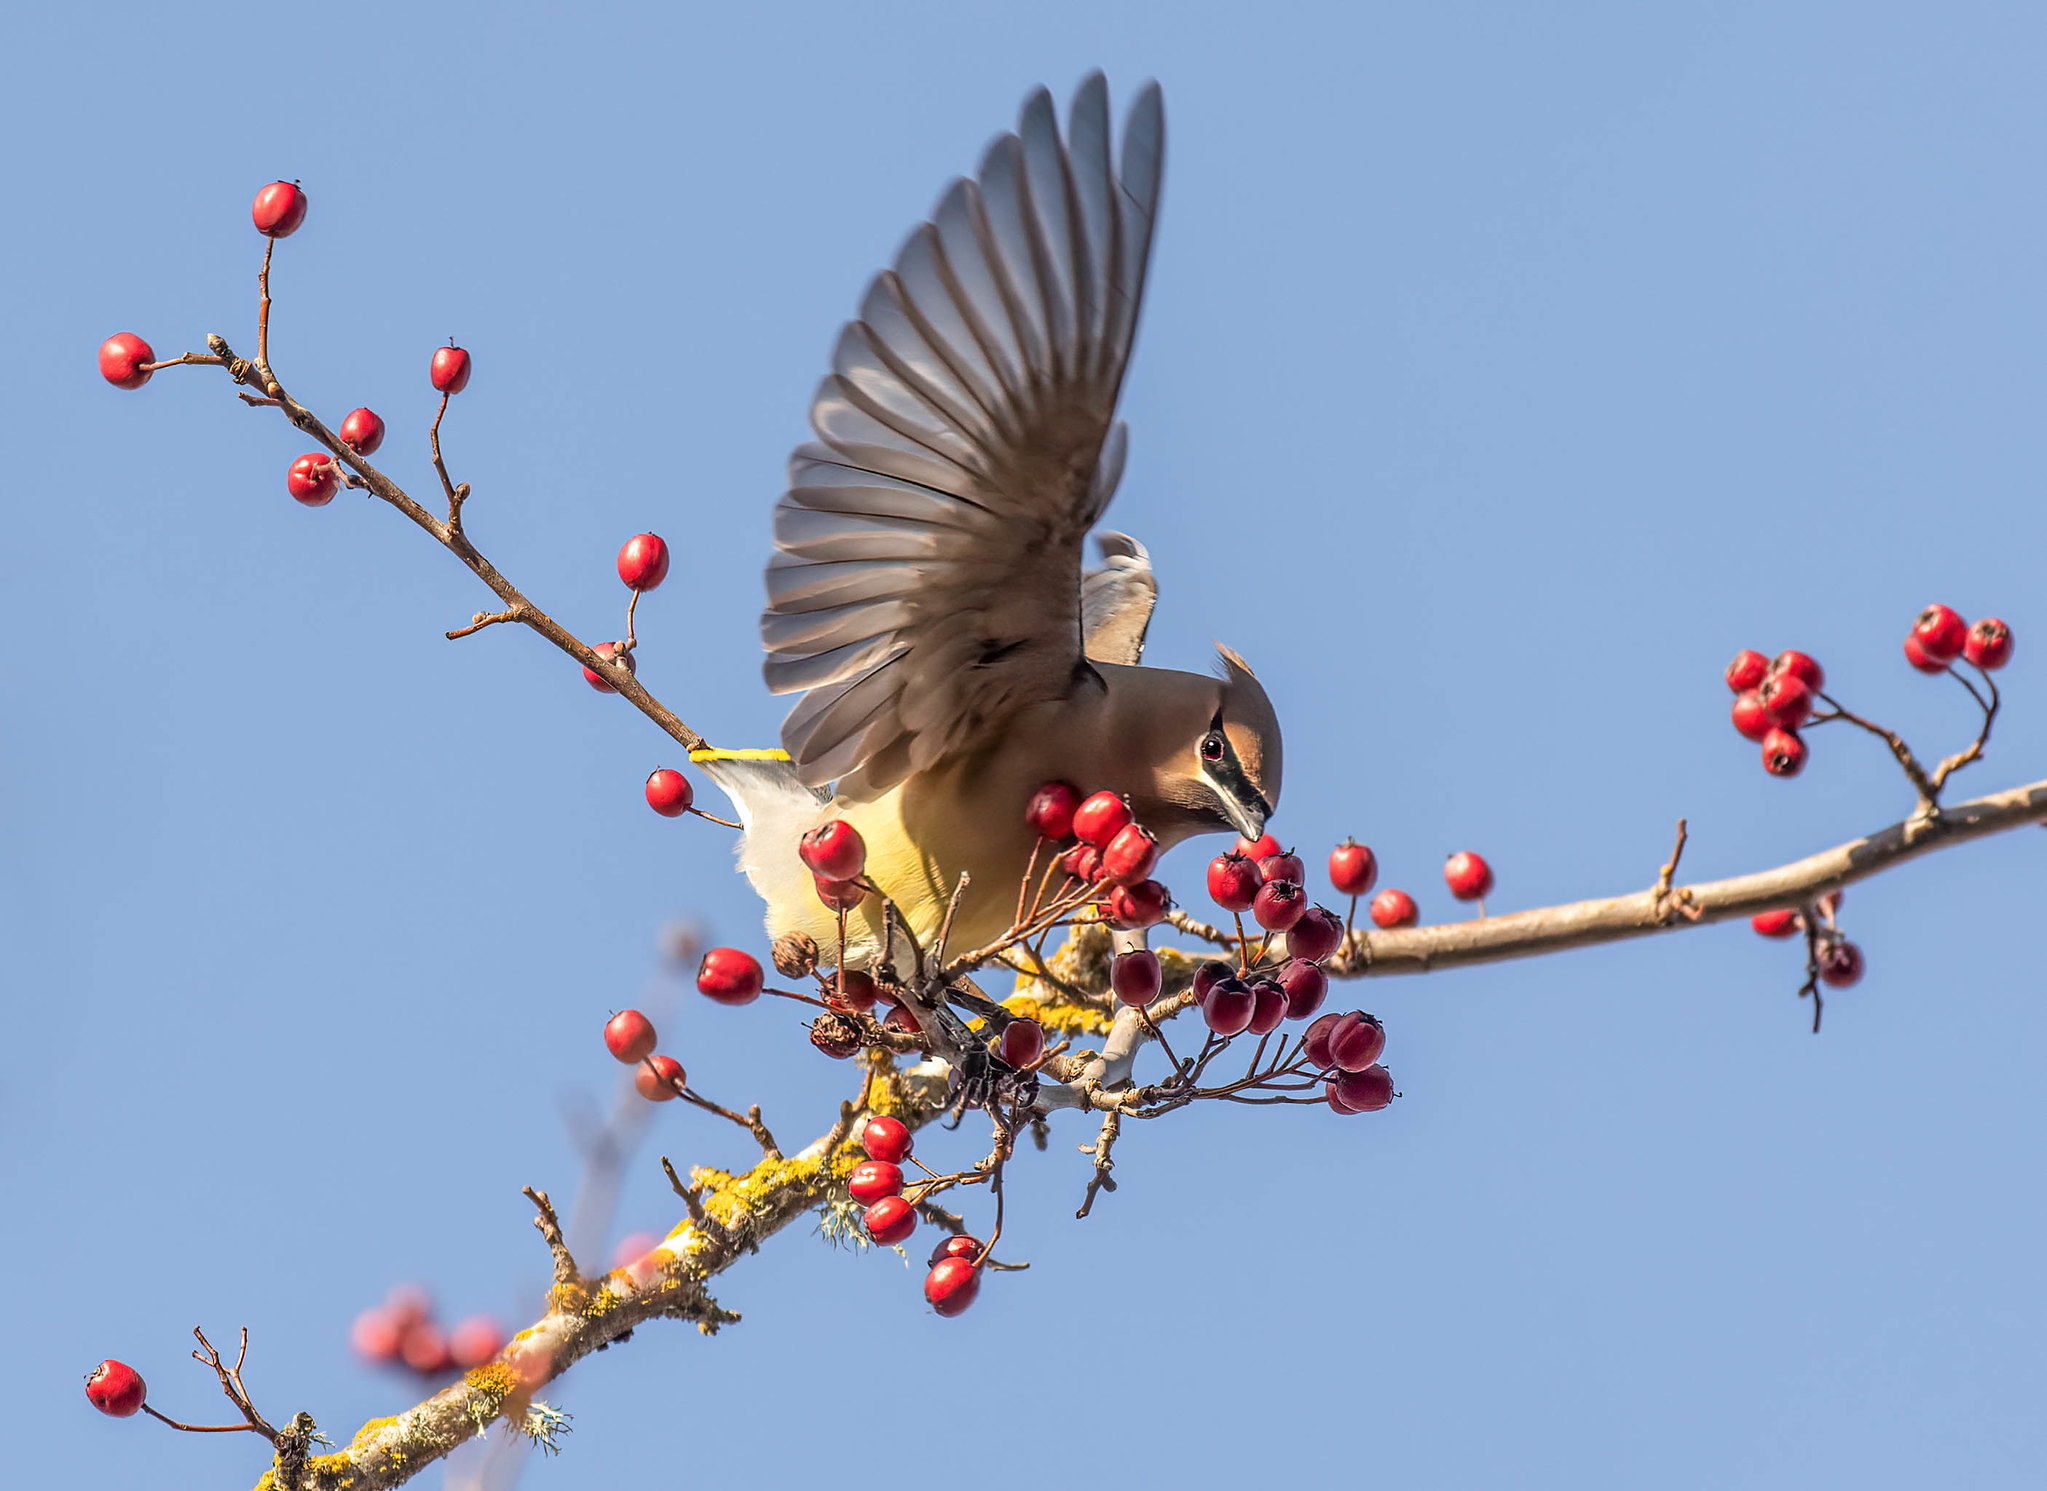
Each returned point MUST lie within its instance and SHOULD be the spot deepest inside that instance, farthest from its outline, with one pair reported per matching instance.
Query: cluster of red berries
(1110, 849)
(836, 856)
(629, 1035)
(1940, 635)
(401, 1332)
(877, 1184)
(1772, 698)
(1840, 960)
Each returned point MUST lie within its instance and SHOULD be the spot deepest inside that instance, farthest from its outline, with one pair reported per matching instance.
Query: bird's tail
(775, 811)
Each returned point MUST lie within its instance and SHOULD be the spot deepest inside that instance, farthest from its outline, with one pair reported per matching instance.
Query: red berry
(1208, 975)
(1802, 666)
(901, 1020)
(116, 1388)
(1917, 655)
(1256, 849)
(122, 356)
(1841, 965)
(834, 850)
(475, 1341)
(1286, 866)
(1316, 935)
(1233, 881)
(608, 651)
(1101, 818)
(1941, 632)
(629, 1035)
(1783, 753)
(669, 792)
(1229, 1005)
(839, 895)
(1747, 670)
(951, 1285)
(643, 562)
(730, 976)
(1305, 984)
(1023, 1042)
(886, 1138)
(362, 432)
(1131, 855)
(1268, 1006)
(959, 1245)
(449, 371)
(1786, 700)
(278, 209)
(890, 1220)
(853, 991)
(1278, 905)
(425, 1349)
(1135, 976)
(313, 479)
(1316, 1041)
(1049, 814)
(1750, 718)
(1776, 923)
(1469, 877)
(1141, 905)
(1362, 1092)
(659, 1077)
(1082, 862)
(376, 1335)
(1394, 908)
(1989, 644)
(1353, 869)
(873, 1179)
(1355, 1041)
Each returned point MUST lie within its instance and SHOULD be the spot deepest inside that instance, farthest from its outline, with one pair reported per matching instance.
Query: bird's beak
(1247, 810)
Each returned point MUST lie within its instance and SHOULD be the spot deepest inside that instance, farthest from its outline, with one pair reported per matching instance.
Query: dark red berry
(1268, 1006)
(1256, 849)
(1049, 813)
(1353, 869)
(1131, 855)
(659, 1077)
(1306, 985)
(729, 976)
(629, 1035)
(890, 1220)
(1356, 1041)
(608, 652)
(1469, 877)
(1135, 976)
(1786, 700)
(643, 561)
(1228, 1006)
(1750, 718)
(1941, 632)
(1208, 975)
(116, 1389)
(1141, 905)
(886, 1139)
(959, 1245)
(313, 479)
(1100, 818)
(1802, 666)
(1316, 935)
(1917, 655)
(122, 357)
(1082, 862)
(1781, 923)
(669, 792)
(1363, 1092)
(1840, 964)
(1989, 644)
(449, 371)
(1747, 670)
(852, 991)
(902, 1021)
(834, 850)
(1285, 866)
(1783, 753)
(362, 432)
(1023, 1042)
(952, 1285)
(278, 209)
(1394, 908)
(873, 1179)
(1233, 881)
(839, 895)
(1278, 905)
(1316, 1041)
(475, 1341)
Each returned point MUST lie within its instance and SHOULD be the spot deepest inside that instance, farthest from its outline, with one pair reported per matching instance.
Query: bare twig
(1105, 1142)
(549, 1226)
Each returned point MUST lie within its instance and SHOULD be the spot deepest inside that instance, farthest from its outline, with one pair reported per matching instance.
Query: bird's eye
(1212, 746)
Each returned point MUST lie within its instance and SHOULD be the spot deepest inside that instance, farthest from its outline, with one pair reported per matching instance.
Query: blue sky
(1504, 370)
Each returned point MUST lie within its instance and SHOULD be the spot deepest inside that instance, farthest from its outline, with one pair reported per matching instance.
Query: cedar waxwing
(926, 594)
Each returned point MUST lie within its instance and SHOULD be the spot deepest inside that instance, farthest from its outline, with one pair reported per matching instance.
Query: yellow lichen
(495, 1379)
(1068, 1019)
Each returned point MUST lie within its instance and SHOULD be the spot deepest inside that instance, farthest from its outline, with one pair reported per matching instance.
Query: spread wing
(926, 581)
(1116, 600)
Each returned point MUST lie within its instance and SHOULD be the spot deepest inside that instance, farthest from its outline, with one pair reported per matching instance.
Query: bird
(927, 596)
